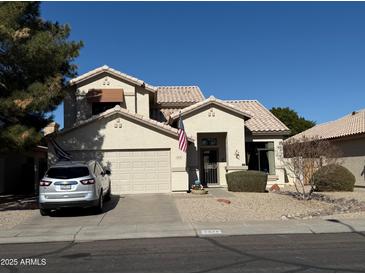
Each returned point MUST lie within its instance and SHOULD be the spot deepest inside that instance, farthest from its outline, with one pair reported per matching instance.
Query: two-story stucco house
(131, 127)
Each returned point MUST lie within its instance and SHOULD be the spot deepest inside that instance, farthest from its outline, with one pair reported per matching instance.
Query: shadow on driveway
(18, 202)
(77, 212)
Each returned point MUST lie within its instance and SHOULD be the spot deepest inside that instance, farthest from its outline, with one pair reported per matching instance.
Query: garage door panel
(163, 176)
(163, 153)
(142, 171)
(163, 188)
(122, 165)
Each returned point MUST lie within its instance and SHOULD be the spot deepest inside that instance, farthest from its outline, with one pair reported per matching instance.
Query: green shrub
(333, 178)
(247, 181)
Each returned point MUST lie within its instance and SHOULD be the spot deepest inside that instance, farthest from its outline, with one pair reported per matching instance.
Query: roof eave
(109, 113)
(173, 104)
(175, 115)
(271, 132)
(114, 72)
(346, 136)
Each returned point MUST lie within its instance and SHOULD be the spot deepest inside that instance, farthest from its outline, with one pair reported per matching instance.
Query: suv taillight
(88, 182)
(44, 183)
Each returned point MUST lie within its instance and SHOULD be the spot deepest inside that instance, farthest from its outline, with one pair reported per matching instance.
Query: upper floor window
(104, 99)
(101, 107)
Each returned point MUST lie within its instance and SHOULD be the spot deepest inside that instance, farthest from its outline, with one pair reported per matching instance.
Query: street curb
(120, 232)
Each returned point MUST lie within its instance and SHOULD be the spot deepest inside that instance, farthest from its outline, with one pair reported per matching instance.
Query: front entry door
(209, 166)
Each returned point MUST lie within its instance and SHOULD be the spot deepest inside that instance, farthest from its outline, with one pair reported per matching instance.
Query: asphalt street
(337, 252)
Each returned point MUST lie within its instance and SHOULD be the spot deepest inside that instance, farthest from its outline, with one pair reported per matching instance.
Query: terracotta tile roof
(262, 121)
(351, 124)
(212, 100)
(112, 71)
(135, 116)
(179, 95)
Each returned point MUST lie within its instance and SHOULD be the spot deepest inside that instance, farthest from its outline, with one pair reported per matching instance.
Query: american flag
(183, 141)
(60, 153)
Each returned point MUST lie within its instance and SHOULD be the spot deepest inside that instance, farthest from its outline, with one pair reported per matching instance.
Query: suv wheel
(99, 207)
(108, 194)
(44, 212)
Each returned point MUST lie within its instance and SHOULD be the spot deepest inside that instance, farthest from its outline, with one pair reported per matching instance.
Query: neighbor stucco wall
(20, 172)
(212, 119)
(117, 133)
(353, 157)
(353, 150)
(136, 99)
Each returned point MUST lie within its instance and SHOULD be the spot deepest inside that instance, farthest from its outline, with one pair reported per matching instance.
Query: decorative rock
(224, 201)
(274, 188)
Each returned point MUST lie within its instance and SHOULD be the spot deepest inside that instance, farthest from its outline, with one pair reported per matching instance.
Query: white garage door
(134, 171)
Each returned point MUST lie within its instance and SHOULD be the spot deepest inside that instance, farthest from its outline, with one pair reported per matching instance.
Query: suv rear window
(67, 172)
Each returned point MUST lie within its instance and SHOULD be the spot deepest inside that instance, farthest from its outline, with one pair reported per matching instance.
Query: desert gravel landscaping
(11, 218)
(358, 194)
(16, 209)
(243, 206)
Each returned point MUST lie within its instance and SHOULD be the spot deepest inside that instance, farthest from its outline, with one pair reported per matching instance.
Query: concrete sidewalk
(130, 231)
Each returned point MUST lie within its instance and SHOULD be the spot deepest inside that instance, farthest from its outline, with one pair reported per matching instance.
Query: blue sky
(309, 56)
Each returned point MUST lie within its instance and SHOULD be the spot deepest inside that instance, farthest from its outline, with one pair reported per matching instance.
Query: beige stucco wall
(143, 102)
(212, 119)
(136, 99)
(279, 177)
(106, 134)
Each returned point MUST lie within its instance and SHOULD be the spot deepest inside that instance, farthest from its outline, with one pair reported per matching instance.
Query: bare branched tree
(305, 155)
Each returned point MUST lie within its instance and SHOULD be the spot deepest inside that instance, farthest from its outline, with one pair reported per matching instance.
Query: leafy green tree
(35, 62)
(292, 120)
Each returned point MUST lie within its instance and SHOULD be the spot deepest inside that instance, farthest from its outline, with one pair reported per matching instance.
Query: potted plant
(197, 188)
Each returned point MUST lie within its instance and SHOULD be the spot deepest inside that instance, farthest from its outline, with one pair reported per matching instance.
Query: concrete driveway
(125, 210)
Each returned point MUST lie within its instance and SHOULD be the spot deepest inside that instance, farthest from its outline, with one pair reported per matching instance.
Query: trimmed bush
(333, 178)
(247, 181)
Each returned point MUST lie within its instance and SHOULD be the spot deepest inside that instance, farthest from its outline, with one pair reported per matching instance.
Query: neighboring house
(348, 134)
(20, 173)
(131, 127)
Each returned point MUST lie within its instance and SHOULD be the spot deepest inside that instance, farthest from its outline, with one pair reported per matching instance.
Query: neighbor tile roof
(351, 124)
(179, 94)
(112, 71)
(262, 120)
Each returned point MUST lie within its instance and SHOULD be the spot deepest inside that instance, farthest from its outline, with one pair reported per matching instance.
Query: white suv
(74, 184)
